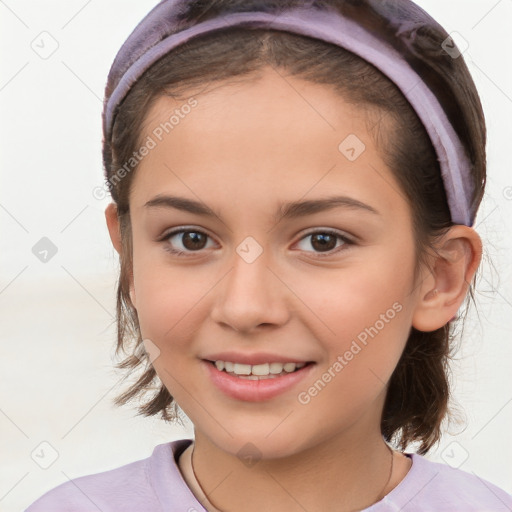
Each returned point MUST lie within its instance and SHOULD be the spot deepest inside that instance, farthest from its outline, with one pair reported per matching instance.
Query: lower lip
(255, 390)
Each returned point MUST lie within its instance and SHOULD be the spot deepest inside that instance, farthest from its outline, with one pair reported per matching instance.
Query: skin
(242, 150)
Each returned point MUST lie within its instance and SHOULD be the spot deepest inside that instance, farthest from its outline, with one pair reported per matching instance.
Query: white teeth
(257, 370)
(289, 367)
(261, 369)
(242, 369)
(276, 368)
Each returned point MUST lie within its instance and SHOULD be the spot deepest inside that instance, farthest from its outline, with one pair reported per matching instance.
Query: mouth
(258, 371)
(256, 383)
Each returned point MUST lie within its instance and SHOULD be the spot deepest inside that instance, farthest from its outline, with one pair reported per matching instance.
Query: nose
(251, 296)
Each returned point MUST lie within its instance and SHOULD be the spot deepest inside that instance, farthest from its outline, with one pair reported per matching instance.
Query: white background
(57, 330)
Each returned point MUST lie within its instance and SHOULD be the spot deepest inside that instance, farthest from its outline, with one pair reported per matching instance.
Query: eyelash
(347, 242)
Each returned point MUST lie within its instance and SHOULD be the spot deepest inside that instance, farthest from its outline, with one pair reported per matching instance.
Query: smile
(255, 383)
(257, 371)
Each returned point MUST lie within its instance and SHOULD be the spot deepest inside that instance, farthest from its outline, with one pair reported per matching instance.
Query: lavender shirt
(155, 484)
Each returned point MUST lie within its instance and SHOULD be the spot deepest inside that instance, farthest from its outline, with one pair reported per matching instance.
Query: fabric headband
(157, 34)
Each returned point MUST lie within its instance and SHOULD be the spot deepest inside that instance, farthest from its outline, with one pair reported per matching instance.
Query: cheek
(349, 300)
(163, 304)
(170, 299)
(368, 313)
(371, 327)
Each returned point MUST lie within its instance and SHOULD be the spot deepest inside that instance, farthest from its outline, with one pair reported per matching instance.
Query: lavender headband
(158, 33)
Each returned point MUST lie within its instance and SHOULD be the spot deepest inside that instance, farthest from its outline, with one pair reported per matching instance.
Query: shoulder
(129, 488)
(432, 486)
(99, 491)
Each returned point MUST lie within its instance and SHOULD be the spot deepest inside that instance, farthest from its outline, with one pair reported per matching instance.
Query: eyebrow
(290, 210)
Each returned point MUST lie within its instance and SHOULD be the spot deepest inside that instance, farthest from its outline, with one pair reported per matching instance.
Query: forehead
(273, 133)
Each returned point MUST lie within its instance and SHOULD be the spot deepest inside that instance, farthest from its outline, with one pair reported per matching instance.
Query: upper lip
(252, 359)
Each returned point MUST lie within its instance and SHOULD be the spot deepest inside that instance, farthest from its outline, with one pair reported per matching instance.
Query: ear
(114, 230)
(113, 226)
(443, 289)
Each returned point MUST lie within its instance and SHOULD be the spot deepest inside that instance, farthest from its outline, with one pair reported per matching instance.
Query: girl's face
(330, 283)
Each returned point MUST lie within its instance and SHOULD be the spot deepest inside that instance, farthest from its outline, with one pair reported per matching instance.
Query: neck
(351, 472)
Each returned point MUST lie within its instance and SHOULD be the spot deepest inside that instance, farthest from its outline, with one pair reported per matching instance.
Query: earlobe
(113, 226)
(444, 289)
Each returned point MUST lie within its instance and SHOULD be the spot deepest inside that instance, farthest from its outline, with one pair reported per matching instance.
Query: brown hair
(418, 392)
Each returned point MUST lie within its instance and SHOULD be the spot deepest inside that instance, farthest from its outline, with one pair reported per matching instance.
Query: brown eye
(325, 242)
(185, 241)
(193, 240)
